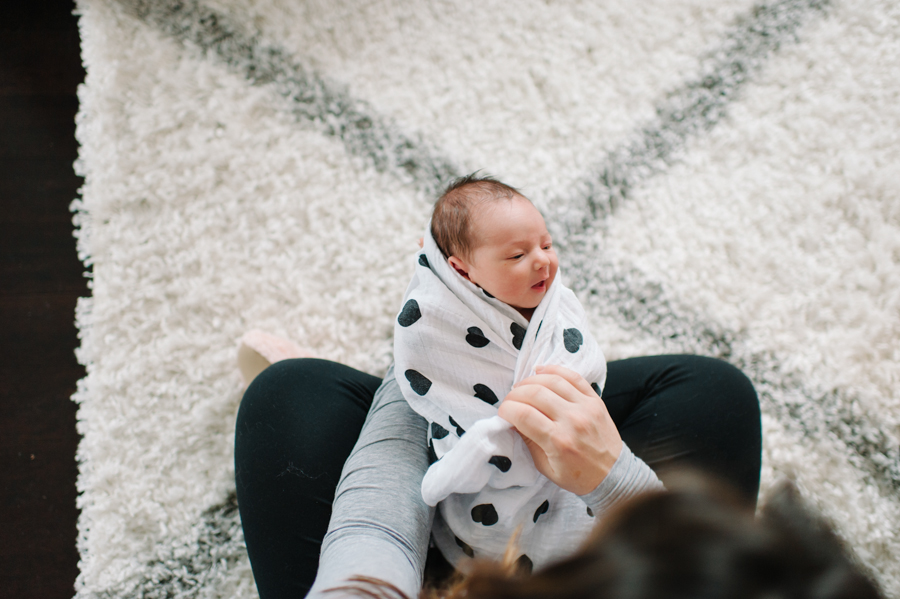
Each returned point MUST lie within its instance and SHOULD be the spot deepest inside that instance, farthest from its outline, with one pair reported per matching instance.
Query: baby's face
(513, 259)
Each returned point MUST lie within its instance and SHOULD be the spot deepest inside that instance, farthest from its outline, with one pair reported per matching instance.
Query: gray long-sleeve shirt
(380, 525)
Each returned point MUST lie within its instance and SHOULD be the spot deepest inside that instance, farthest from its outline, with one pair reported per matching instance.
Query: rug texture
(721, 178)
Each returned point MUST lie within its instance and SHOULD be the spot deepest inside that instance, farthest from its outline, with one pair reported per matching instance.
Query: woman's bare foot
(258, 350)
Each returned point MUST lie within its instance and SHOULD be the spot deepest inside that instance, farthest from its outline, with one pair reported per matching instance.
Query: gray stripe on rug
(625, 294)
(693, 108)
(184, 568)
(315, 100)
(697, 105)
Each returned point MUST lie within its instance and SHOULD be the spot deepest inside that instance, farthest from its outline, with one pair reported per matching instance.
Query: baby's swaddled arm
(380, 525)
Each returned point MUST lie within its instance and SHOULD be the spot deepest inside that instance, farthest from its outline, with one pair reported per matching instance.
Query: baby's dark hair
(451, 219)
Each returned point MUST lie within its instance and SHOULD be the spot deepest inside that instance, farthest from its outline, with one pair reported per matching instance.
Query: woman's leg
(297, 423)
(678, 412)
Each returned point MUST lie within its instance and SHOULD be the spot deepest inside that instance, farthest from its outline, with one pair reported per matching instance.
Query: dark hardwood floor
(40, 280)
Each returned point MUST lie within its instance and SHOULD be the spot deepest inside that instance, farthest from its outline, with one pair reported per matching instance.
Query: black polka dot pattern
(524, 565)
(484, 393)
(409, 314)
(417, 319)
(465, 547)
(438, 431)
(502, 462)
(485, 514)
(419, 383)
(572, 339)
(476, 338)
(459, 430)
(542, 509)
(518, 334)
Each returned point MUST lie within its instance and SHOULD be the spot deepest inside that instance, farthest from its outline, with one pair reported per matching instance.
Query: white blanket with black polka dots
(458, 351)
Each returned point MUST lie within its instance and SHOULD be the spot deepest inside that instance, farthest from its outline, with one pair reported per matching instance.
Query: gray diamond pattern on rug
(720, 178)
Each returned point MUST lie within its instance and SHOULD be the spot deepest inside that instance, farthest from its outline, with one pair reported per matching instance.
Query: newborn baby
(485, 307)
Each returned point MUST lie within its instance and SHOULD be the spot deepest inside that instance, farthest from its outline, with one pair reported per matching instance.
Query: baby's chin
(529, 305)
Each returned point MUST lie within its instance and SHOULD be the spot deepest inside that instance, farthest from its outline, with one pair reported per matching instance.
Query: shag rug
(721, 177)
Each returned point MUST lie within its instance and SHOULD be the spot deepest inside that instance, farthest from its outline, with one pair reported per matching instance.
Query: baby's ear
(459, 266)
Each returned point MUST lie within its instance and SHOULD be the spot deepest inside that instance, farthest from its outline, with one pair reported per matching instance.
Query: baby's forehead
(489, 217)
(484, 211)
(482, 208)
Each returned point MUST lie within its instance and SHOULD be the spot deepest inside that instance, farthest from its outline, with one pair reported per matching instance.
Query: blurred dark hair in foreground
(696, 540)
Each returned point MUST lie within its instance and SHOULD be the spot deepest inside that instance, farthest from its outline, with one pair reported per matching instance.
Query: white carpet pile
(722, 177)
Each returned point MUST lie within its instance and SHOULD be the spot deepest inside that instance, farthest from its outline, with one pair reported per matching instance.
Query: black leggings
(300, 419)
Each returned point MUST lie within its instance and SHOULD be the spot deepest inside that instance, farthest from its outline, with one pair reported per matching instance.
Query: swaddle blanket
(458, 351)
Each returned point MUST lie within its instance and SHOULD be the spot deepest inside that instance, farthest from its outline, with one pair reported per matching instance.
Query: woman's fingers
(549, 394)
(532, 425)
(566, 426)
(572, 377)
(565, 386)
(519, 410)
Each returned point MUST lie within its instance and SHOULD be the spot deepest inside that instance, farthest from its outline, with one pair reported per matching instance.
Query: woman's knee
(728, 413)
(301, 413)
(302, 383)
(275, 388)
(289, 373)
(725, 381)
(308, 397)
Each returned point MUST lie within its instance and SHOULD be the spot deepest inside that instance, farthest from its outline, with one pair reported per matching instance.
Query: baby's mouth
(539, 286)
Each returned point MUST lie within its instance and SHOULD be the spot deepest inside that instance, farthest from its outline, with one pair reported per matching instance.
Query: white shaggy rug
(722, 177)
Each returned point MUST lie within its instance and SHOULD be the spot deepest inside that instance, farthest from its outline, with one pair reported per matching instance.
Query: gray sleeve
(380, 525)
(629, 476)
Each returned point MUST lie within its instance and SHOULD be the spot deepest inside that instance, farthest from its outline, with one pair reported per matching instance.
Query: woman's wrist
(629, 476)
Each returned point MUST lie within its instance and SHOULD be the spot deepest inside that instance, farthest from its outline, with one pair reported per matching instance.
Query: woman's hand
(566, 426)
